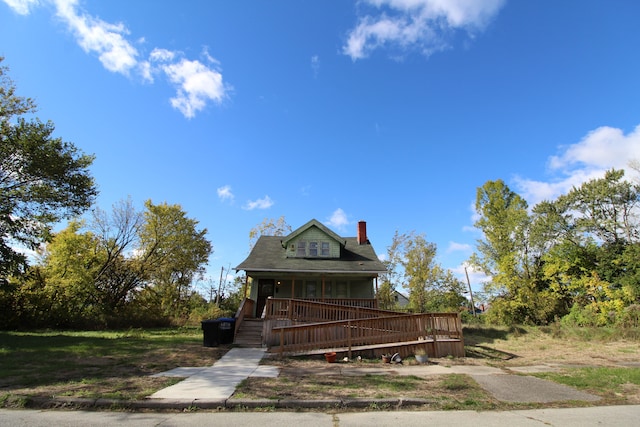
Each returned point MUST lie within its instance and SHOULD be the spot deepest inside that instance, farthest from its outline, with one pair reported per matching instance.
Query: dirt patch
(450, 392)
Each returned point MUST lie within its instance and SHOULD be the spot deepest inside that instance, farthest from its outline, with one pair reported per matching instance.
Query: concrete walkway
(218, 382)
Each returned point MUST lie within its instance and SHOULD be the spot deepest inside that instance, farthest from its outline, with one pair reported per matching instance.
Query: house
(401, 300)
(313, 263)
(314, 292)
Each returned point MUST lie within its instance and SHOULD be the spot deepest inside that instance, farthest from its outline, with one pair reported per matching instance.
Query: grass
(96, 364)
(119, 364)
(613, 383)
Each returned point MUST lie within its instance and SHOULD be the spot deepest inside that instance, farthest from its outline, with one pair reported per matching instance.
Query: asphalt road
(619, 416)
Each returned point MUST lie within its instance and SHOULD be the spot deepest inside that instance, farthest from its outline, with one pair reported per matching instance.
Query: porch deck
(302, 327)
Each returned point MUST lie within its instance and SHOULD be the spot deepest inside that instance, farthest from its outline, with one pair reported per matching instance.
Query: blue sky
(388, 111)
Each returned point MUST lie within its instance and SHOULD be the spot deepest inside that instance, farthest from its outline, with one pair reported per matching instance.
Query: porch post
(322, 288)
(293, 287)
(244, 287)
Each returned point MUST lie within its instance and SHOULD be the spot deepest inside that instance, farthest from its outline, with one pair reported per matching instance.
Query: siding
(314, 234)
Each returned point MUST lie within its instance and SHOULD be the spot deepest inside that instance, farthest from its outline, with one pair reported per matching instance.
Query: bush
(630, 317)
(210, 311)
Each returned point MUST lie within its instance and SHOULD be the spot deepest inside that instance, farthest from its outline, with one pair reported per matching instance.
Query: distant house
(400, 299)
(313, 263)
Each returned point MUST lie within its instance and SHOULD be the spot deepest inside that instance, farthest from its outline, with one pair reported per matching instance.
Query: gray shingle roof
(269, 255)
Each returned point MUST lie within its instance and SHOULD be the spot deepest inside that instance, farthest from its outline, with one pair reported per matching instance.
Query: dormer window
(302, 249)
(324, 249)
(313, 249)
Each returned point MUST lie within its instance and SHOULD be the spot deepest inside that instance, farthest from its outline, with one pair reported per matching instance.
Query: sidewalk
(214, 385)
(217, 382)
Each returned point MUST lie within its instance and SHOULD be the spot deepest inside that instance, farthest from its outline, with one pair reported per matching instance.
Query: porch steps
(249, 334)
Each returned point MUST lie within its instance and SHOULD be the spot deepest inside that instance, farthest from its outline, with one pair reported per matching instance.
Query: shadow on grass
(36, 359)
(478, 337)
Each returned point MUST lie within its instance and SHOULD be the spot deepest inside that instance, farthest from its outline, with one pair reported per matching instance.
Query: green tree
(593, 264)
(606, 208)
(175, 253)
(42, 178)
(72, 261)
(421, 270)
(509, 253)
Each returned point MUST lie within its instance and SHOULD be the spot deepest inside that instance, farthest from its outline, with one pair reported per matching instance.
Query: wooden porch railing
(245, 310)
(314, 311)
(370, 332)
(349, 302)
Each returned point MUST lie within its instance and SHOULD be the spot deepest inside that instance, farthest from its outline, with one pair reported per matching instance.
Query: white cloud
(601, 149)
(315, 65)
(162, 55)
(96, 36)
(264, 203)
(196, 83)
(423, 25)
(338, 219)
(225, 193)
(459, 247)
(22, 7)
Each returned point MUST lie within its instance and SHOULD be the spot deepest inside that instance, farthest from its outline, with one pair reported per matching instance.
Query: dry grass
(121, 368)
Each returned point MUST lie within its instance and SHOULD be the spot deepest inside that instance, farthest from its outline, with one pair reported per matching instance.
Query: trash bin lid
(226, 319)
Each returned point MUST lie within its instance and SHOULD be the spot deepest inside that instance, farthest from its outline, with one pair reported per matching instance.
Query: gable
(279, 254)
(313, 240)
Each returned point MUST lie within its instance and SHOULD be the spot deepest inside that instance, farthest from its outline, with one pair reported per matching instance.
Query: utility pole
(219, 287)
(473, 306)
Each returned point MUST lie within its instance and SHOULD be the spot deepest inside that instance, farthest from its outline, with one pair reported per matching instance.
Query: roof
(269, 255)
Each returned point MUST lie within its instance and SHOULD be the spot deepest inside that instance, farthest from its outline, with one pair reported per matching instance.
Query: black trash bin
(226, 329)
(210, 333)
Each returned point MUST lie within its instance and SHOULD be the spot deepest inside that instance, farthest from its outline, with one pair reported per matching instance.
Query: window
(302, 249)
(313, 248)
(311, 289)
(324, 249)
(341, 290)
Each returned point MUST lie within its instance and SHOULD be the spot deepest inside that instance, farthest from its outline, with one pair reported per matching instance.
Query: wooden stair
(249, 334)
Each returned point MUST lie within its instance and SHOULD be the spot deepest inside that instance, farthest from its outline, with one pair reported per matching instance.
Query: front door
(265, 290)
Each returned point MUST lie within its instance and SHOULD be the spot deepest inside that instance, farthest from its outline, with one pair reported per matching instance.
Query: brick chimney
(362, 233)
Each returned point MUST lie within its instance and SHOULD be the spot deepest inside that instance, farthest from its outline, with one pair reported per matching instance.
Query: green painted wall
(314, 234)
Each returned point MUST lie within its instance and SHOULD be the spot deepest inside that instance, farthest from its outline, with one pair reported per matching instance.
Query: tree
(128, 268)
(420, 269)
(392, 276)
(72, 261)
(42, 178)
(269, 227)
(593, 263)
(606, 208)
(412, 263)
(120, 275)
(506, 253)
(174, 253)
